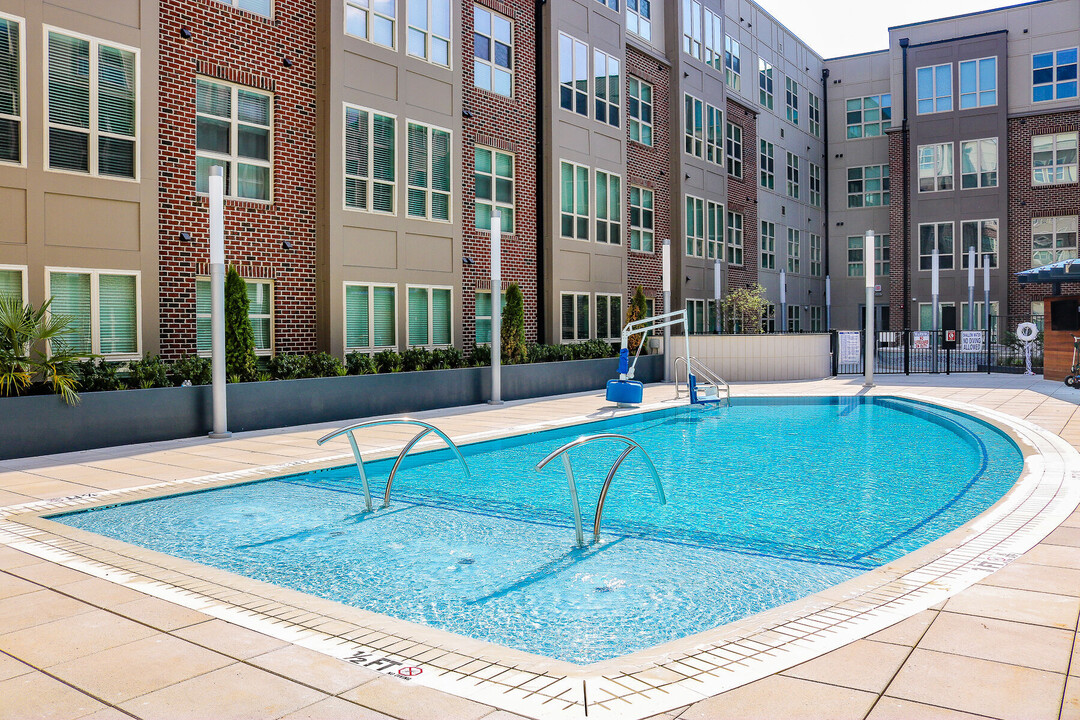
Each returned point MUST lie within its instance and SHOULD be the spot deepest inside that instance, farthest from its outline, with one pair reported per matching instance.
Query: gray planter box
(43, 424)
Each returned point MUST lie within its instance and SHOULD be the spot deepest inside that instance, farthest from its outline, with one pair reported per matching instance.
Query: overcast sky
(844, 27)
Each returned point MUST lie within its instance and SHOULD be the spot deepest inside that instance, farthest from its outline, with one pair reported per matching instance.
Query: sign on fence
(850, 346)
(920, 340)
(972, 341)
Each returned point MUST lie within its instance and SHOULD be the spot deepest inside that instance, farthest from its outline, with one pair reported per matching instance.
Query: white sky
(844, 27)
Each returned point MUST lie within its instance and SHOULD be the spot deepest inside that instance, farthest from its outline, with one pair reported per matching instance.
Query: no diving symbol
(410, 671)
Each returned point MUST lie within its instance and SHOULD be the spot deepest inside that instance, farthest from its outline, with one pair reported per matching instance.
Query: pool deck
(75, 645)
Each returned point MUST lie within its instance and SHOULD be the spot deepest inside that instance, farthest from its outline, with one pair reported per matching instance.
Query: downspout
(906, 191)
(541, 209)
(825, 163)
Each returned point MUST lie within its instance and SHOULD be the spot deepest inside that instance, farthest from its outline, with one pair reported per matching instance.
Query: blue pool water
(769, 500)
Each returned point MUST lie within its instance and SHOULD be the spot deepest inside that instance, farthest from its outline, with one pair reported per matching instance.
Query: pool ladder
(692, 364)
(427, 428)
(631, 445)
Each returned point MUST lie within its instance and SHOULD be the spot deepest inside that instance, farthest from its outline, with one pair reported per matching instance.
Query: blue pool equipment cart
(625, 391)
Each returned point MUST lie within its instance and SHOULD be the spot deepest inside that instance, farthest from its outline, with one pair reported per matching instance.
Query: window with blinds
(429, 316)
(483, 316)
(429, 172)
(11, 100)
(11, 283)
(92, 105)
(574, 189)
(260, 313)
(233, 130)
(608, 208)
(370, 317)
(102, 309)
(608, 316)
(494, 187)
(370, 160)
(259, 7)
(575, 316)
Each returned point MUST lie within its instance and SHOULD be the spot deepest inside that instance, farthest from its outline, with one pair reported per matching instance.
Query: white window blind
(370, 151)
(11, 101)
(429, 172)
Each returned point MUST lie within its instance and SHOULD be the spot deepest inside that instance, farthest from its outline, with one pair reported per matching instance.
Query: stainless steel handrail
(698, 368)
(631, 445)
(428, 428)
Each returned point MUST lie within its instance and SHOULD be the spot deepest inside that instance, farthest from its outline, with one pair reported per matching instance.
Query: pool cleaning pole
(868, 356)
(496, 308)
(971, 288)
(669, 357)
(217, 300)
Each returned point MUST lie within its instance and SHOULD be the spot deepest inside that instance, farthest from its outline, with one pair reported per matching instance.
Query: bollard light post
(217, 302)
(496, 308)
(868, 352)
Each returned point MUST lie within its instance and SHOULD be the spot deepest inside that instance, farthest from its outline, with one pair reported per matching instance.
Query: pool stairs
(705, 393)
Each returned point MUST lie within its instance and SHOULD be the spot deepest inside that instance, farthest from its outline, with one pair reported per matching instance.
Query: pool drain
(466, 561)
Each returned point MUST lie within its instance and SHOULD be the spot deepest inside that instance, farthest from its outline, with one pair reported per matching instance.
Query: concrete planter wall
(43, 424)
(757, 358)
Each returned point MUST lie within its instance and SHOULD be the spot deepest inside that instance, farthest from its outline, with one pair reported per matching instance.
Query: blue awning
(1061, 271)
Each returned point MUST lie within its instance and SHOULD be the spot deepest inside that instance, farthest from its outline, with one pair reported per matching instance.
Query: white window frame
(768, 318)
(856, 256)
(430, 344)
(236, 4)
(261, 352)
(233, 159)
(1054, 83)
(369, 11)
(636, 120)
(95, 307)
(370, 179)
(941, 307)
(1056, 169)
(714, 134)
(588, 197)
(691, 28)
(794, 318)
(477, 317)
(650, 231)
(371, 347)
(491, 63)
(614, 328)
(734, 238)
(980, 171)
(947, 261)
(713, 46)
(577, 319)
(881, 124)
(793, 180)
(715, 230)
(93, 133)
(695, 307)
(693, 134)
(936, 97)
(815, 256)
(615, 217)
(813, 113)
(1057, 252)
(980, 315)
(21, 117)
(816, 318)
(882, 264)
(22, 270)
(938, 157)
(493, 202)
(794, 251)
(768, 245)
(612, 110)
(979, 89)
(980, 225)
(767, 165)
(814, 183)
(732, 53)
(637, 22)
(766, 89)
(429, 33)
(429, 191)
(576, 46)
(791, 100)
(691, 205)
(733, 147)
(882, 192)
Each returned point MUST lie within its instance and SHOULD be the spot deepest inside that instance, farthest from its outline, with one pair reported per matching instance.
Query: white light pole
(783, 300)
(868, 261)
(935, 272)
(217, 300)
(828, 303)
(665, 260)
(718, 292)
(986, 298)
(496, 308)
(971, 288)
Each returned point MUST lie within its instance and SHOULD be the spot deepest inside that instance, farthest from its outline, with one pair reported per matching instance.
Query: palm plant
(24, 331)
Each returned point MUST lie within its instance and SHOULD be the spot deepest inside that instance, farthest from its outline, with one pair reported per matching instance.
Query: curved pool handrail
(427, 428)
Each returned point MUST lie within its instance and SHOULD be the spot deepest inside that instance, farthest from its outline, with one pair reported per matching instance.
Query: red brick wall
(649, 167)
(246, 49)
(507, 124)
(1027, 203)
(742, 196)
(897, 239)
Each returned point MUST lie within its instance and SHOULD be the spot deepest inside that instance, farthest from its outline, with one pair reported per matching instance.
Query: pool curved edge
(633, 686)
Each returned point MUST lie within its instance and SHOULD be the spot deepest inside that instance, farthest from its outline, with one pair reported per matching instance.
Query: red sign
(950, 336)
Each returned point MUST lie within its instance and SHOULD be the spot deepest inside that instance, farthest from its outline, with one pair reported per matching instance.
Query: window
(979, 163)
(714, 135)
(493, 58)
(868, 186)
(768, 319)
(575, 316)
(613, 4)
(768, 245)
(691, 40)
(639, 109)
(767, 165)
(260, 313)
(233, 129)
(981, 235)
(1053, 158)
(13, 282)
(1053, 75)
(978, 83)
(980, 314)
(103, 307)
(641, 219)
(638, 18)
(370, 160)
(792, 100)
(714, 38)
(494, 182)
(428, 35)
(608, 316)
(815, 184)
(573, 75)
(765, 83)
(936, 167)
(813, 111)
(259, 7)
(732, 64)
(868, 116)
(856, 244)
(714, 238)
(608, 208)
(575, 201)
(881, 255)
(936, 236)
(429, 316)
(12, 116)
(815, 254)
(934, 88)
(816, 318)
(1052, 239)
(694, 131)
(695, 227)
(429, 172)
(92, 106)
(371, 20)
(793, 175)
(700, 316)
(855, 255)
(794, 318)
(794, 251)
(734, 150)
(606, 87)
(926, 314)
(735, 238)
(370, 317)
(483, 316)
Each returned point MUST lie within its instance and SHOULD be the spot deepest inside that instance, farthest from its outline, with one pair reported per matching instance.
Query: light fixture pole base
(494, 402)
(219, 435)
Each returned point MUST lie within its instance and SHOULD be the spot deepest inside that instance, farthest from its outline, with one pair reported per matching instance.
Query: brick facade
(742, 197)
(1027, 203)
(245, 49)
(507, 124)
(898, 294)
(649, 167)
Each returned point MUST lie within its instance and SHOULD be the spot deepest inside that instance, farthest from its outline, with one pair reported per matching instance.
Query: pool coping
(633, 686)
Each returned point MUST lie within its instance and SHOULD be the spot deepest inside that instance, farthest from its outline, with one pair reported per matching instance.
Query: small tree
(636, 310)
(513, 327)
(743, 309)
(24, 333)
(239, 336)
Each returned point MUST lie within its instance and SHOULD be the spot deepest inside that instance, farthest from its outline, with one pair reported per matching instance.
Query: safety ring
(1027, 331)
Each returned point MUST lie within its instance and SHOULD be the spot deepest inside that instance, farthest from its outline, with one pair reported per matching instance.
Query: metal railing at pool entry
(428, 428)
(695, 366)
(631, 445)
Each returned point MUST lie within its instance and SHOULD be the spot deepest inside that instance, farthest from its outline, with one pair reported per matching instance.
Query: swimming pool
(768, 501)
